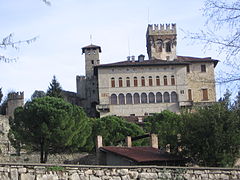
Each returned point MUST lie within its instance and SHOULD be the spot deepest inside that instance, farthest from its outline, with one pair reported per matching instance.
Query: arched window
(128, 82)
(166, 97)
(157, 80)
(174, 97)
(112, 82)
(143, 98)
(128, 98)
(168, 46)
(121, 99)
(172, 80)
(143, 81)
(120, 82)
(113, 99)
(151, 97)
(150, 82)
(165, 80)
(136, 98)
(135, 81)
(159, 97)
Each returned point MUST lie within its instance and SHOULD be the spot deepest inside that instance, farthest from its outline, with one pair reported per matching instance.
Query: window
(92, 61)
(188, 69)
(121, 99)
(158, 81)
(128, 82)
(159, 97)
(128, 98)
(135, 81)
(113, 99)
(174, 97)
(120, 84)
(143, 98)
(150, 82)
(172, 80)
(203, 68)
(151, 97)
(112, 82)
(166, 97)
(168, 46)
(190, 95)
(205, 94)
(165, 80)
(181, 91)
(136, 98)
(143, 81)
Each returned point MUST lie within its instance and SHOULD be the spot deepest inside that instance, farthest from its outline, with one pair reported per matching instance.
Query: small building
(128, 156)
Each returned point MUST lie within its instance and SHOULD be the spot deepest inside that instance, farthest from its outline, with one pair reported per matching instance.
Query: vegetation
(1, 95)
(50, 125)
(54, 90)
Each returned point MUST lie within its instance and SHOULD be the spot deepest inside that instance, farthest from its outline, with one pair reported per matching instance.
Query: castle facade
(139, 87)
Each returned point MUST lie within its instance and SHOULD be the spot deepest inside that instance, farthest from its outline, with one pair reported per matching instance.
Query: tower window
(205, 94)
(128, 82)
(158, 81)
(203, 68)
(143, 81)
(135, 82)
(189, 94)
(92, 61)
(150, 81)
(172, 80)
(188, 69)
(112, 82)
(168, 47)
(120, 84)
(165, 80)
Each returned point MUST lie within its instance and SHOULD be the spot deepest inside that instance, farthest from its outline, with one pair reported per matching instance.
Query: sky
(62, 29)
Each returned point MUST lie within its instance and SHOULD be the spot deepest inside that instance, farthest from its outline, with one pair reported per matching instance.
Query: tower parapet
(15, 99)
(162, 41)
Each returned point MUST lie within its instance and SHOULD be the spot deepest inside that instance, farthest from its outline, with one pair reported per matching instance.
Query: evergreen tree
(54, 90)
(1, 95)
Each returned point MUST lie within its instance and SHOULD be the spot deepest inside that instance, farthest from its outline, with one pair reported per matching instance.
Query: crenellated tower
(162, 41)
(15, 99)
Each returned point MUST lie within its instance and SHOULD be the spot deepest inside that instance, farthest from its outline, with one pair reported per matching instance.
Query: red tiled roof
(141, 154)
(181, 60)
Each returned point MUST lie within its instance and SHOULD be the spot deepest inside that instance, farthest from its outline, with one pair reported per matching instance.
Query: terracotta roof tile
(141, 154)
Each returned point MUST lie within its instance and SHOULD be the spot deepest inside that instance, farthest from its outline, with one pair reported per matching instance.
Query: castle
(139, 87)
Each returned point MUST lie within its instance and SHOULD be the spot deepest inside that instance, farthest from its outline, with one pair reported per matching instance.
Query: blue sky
(65, 27)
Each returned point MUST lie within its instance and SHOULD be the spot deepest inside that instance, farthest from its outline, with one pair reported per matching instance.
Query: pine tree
(54, 90)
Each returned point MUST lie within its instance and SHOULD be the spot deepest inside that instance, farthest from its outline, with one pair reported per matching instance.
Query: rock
(27, 177)
(74, 176)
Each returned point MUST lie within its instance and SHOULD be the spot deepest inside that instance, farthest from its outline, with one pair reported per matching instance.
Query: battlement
(161, 29)
(16, 95)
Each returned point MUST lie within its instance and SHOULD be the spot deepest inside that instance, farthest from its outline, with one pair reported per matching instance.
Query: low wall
(75, 172)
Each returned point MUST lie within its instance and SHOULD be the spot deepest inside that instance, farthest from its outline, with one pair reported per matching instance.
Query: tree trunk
(41, 151)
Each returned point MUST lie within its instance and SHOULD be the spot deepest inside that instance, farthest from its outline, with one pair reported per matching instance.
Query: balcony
(103, 108)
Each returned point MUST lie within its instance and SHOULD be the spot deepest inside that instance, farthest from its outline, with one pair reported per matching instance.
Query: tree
(113, 129)
(167, 125)
(38, 94)
(54, 90)
(210, 136)
(50, 125)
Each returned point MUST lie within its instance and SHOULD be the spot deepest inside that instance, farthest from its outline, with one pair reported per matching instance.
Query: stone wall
(73, 172)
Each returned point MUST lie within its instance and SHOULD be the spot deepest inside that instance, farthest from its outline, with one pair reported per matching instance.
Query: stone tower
(15, 99)
(91, 58)
(162, 41)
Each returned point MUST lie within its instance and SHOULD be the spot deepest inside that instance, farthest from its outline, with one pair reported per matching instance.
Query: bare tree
(9, 42)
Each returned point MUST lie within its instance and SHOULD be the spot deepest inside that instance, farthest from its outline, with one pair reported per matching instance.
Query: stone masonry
(73, 172)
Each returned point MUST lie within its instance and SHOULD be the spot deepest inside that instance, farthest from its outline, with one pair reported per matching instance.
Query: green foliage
(55, 168)
(113, 129)
(54, 90)
(211, 135)
(50, 125)
(167, 126)
(38, 94)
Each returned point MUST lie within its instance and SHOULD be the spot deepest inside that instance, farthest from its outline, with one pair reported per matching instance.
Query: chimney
(129, 58)
(154, 141)
(98, 152)
(129, 141)
(133, 58)
(141, 58)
